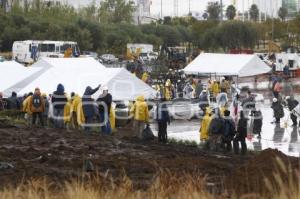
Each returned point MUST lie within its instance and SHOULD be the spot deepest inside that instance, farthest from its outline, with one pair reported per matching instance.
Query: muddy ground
(59, 155)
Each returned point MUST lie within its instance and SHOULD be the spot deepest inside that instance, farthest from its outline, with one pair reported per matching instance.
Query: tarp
(11, 73)
(227, 64)
(78, 73)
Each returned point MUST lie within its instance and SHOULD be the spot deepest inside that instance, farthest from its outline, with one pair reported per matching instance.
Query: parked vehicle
(2, 59)
(109, 58)
(149, 56)
(29, 51)
(90, 54)
(142, 52)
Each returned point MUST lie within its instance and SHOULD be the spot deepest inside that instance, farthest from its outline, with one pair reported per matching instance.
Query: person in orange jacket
(37, 106)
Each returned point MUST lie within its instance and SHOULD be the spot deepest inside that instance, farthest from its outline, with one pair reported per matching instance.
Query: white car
(109, 58)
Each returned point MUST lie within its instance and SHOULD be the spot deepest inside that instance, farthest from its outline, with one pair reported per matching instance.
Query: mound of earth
(61, 155)
(252, 176)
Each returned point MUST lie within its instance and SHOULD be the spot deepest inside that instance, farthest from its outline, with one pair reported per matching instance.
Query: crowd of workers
(62, 111)
(221, 129)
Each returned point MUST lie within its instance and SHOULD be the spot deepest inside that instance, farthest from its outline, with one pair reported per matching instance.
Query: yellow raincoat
(205, 126)
(140, 109)
(67, 112)
(167, 93)
(145, 77)
(80, 114)
(112, 118)
(215, 89)
(76, 106)
(75, 103)
(222, 110)
(26, 105)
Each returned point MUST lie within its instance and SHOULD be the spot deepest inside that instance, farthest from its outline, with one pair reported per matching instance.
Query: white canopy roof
(12, 72)
(78, 73)
(227, 64)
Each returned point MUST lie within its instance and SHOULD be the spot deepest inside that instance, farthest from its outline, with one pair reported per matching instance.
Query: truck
(142, 52)
(29, 51)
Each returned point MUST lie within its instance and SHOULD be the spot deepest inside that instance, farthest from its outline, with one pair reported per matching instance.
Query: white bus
(29, 51)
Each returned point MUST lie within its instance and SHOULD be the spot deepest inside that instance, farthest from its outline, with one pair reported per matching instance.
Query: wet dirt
(59, 155)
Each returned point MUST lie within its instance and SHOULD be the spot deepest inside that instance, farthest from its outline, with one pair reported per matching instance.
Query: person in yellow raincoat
(67, 113)
(168, 90)
(215, 89)
(26, 108)
(145, 77)
(223, 109)
(205, 125)
(112, 118)
(140, 113)
(75, 101)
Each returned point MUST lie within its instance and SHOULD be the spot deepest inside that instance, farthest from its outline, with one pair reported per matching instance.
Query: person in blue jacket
(90, 108)
(163, 119)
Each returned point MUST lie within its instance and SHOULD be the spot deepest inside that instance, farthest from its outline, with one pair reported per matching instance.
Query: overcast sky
(196, 5)
(168, 8)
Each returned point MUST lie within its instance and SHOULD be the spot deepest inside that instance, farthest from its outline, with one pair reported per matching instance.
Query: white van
(30, 51)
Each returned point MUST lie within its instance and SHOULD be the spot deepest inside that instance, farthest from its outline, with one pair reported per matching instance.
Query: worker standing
(37, 106)
(205, 123)
(59, 101)
(163, 119)
(140, 113)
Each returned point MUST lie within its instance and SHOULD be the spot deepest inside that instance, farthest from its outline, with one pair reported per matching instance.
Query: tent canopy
(78, 73)
(227, 64)
(12, 72)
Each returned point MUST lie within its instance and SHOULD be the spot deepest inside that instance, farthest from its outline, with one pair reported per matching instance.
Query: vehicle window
(29, 47)
(51, 48)
(143, 54)
(44, 48)
(64, 47)
(56, 48)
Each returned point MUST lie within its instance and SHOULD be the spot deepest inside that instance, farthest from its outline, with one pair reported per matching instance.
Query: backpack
(148, 134)
(36, 101)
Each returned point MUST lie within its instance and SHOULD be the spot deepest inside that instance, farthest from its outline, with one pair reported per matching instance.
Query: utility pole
(190, 7)
(265, 10)
(221, 5)
(243, 10)
(249, 10)
(161, 9)
(260, 10)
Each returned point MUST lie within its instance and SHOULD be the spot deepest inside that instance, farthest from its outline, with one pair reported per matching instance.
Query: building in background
(292, 7)
(142, 14)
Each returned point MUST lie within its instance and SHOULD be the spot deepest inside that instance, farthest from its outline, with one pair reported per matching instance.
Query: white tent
(12, 73)
(227, 64)
(78, 73)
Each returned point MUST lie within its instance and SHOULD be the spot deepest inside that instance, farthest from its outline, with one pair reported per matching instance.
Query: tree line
(107, 28)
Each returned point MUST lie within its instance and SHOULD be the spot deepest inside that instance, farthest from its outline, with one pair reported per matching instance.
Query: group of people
(222, 130)
(63, 111)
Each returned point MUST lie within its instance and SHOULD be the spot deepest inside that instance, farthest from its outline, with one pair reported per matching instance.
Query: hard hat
(275, 100)
(287, 97)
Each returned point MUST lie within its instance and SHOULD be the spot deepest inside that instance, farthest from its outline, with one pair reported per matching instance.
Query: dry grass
(165, 186)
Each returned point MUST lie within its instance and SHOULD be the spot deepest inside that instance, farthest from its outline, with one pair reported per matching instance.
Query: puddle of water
(284, 137)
